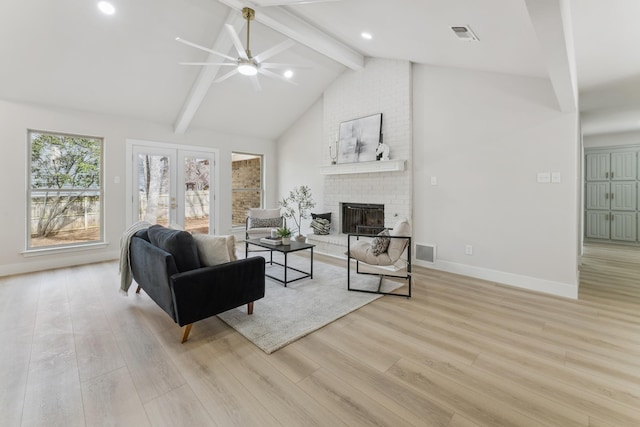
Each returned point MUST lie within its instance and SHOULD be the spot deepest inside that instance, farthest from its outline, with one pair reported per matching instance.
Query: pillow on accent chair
(379, 245)
(265, 222)
(397, 246)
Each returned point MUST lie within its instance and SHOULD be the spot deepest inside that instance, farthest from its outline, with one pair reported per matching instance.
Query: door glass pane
(196, 195)
(153, 179)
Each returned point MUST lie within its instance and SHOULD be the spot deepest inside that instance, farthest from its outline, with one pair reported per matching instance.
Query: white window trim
(44, 250)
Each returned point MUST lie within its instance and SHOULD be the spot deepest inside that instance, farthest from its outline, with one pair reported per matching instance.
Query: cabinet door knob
(612, 174)
(606, 195)
(606, 174)
(612, 217)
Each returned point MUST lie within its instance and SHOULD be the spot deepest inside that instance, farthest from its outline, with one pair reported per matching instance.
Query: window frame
(98, 243)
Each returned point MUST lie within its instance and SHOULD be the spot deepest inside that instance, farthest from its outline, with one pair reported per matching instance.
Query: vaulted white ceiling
(66, 54)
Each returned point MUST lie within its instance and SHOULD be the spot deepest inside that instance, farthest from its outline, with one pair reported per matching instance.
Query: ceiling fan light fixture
(247, 69)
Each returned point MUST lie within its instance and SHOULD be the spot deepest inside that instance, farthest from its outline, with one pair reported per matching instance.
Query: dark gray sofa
(169, 271)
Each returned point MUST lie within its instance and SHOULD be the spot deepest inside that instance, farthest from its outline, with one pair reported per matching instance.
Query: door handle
(612, 174)
(611, 196)
(606, 174)
(606, 195)
(612, 217)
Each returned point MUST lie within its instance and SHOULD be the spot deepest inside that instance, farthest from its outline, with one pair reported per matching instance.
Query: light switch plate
(544, 177)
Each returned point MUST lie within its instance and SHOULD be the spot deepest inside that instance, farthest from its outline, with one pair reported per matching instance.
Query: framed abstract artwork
(359, 138)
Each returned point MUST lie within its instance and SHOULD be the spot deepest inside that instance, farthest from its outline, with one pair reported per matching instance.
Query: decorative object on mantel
(382, 152)
(359, 138)
(333, 152)
(296, 206)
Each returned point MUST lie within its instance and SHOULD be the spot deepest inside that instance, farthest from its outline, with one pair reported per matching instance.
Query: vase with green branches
(297, 205)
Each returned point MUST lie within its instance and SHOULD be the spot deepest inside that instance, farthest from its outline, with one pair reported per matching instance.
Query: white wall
(17, 118)
(300, 154)
(485, 137)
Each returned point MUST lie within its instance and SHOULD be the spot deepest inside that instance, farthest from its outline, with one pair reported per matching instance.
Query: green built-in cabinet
(612, 194)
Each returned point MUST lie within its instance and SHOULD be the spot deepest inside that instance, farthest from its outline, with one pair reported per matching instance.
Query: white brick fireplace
(383, 86)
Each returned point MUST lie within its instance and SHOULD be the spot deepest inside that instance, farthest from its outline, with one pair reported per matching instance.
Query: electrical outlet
(468, 249)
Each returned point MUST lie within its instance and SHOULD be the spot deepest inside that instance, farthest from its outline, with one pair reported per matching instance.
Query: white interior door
(173, 186)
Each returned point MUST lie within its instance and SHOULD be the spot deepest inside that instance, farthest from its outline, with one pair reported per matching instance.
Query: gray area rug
(287, 314)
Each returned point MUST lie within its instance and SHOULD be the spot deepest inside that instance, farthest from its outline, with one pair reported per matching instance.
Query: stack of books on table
(272, 240)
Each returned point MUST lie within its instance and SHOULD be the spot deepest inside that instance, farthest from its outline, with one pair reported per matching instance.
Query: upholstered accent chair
(387, 255)
(260, 222)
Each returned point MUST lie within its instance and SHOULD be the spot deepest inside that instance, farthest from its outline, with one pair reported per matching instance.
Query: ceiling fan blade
(274, 50)
(209, 63)
(277, 65)
(226, 76)
(197, 46)
(236, 41)
(276, 76)
(256, 83)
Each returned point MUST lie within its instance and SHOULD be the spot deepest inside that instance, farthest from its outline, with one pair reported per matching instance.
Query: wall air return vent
(465, 33)
(426, 253)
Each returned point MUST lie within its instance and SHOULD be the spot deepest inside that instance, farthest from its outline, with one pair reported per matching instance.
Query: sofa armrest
(207, 291)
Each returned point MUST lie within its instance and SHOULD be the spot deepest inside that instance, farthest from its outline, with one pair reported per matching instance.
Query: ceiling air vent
(465, 33)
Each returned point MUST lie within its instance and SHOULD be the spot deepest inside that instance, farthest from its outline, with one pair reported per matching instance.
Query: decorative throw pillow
(212, 250)
(265, 222)
(320, 226)
(180, 244)
(326, 216)
(231, 246)
(379, 244)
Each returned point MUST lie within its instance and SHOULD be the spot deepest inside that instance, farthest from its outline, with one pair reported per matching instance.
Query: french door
(172, 186)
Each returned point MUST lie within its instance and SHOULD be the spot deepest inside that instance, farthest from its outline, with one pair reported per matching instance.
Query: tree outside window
(65, 190)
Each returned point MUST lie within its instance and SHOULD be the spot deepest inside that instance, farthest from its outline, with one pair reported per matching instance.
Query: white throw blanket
(125, 264)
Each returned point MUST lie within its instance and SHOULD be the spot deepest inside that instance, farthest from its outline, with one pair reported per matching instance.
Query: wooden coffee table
(284, 249)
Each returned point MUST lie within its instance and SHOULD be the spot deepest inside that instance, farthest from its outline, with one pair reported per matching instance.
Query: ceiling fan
(246, 64)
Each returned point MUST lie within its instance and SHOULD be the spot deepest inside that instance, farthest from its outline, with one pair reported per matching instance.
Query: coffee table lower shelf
(285, 250)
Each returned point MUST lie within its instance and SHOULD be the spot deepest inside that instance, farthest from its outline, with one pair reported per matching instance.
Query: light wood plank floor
(462, 352)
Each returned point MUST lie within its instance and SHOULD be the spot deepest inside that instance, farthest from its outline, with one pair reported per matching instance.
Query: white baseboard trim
(56, 261)
(565, 290)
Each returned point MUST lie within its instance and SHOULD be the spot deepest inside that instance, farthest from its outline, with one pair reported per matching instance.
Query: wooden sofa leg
(138, 290)
(250, 308)
(185, 332)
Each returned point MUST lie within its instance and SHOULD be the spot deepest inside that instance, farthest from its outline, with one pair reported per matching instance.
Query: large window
(64, 191)
(246, 185)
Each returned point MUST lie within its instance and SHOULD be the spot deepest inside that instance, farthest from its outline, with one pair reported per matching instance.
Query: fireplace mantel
(363, 167)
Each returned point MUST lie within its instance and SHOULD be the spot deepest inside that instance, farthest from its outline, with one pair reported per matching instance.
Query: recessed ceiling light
(106, 8)
(288, 74)
(366, 36)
